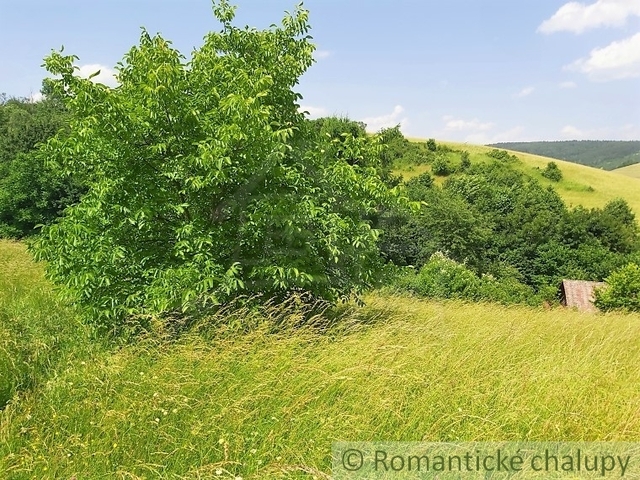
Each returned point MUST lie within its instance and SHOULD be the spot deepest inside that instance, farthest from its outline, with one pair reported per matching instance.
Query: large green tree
(206, 182)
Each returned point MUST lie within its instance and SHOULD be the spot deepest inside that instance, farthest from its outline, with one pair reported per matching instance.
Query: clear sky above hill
(479, 71)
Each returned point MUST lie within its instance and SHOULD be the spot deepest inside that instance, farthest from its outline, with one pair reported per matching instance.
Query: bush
(206, 182)
(336, 128)
(552, 172)
(506, 291)
(424, 180)
(442, 277)
(502, 155)
(432, 146)
(622, 291)
(441, 166)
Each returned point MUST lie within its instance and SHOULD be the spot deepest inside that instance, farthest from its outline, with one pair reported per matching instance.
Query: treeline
(489, 232)
(604, 154)
(32, 192)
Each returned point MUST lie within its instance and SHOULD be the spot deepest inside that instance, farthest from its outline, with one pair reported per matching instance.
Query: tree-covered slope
(607, 155)
(580, 185)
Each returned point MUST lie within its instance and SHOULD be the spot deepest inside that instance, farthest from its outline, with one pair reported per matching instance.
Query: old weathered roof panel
(579, 294)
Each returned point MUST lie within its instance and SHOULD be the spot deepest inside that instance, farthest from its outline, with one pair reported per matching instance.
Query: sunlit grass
(266, 400)
(38, 334)
(630, 171)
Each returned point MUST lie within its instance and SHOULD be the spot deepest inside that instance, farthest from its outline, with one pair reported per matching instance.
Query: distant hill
(604, 154)
(630, 171)
(581, 185)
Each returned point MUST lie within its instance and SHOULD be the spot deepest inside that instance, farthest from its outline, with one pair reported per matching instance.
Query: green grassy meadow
(632, 171)
(249, 395)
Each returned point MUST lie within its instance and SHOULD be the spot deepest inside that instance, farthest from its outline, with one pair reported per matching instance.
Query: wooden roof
(579, 294)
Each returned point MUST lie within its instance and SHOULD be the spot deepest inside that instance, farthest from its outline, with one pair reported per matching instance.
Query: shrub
(442, 277)
(552, 172)
(465, 161)
(502, 155)
(424, 180)
(432, 146)
(622, 291)
(504, 291)
(441, 166)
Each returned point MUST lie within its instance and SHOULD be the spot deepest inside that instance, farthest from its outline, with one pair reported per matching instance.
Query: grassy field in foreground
(632, 171)
(38, 334)
(581, 185)
(268, 402)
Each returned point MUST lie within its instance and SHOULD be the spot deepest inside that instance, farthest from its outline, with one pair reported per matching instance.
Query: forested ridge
(605, 154)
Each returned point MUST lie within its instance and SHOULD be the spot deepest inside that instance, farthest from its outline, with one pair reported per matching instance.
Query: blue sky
(477, 71)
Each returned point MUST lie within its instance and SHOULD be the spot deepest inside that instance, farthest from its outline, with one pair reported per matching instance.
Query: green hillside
(247, 395)
(581, 185)
(607, 155)
(632, 171)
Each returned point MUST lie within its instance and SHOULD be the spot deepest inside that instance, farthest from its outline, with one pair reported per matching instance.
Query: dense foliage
(490, 219)
(622, 290)
(31, 191)
(601, 154)
(552, 172)
(441, 277)
(205, 182)
(201, 181)
(400, 151)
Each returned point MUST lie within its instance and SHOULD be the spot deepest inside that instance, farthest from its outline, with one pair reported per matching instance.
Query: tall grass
(38, 334)
(248, 394)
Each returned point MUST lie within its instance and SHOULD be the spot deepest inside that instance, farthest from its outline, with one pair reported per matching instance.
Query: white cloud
(36, 97)
(574, 133)
(107, 76)
(375, 124)
(568, 85)
(477, 132)
(624, 132)
(525, 92)
(314, 112)
(320, 54)
(511, 135)
(627, 132)
(615, 61)
(452, 123)
(577, 17)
